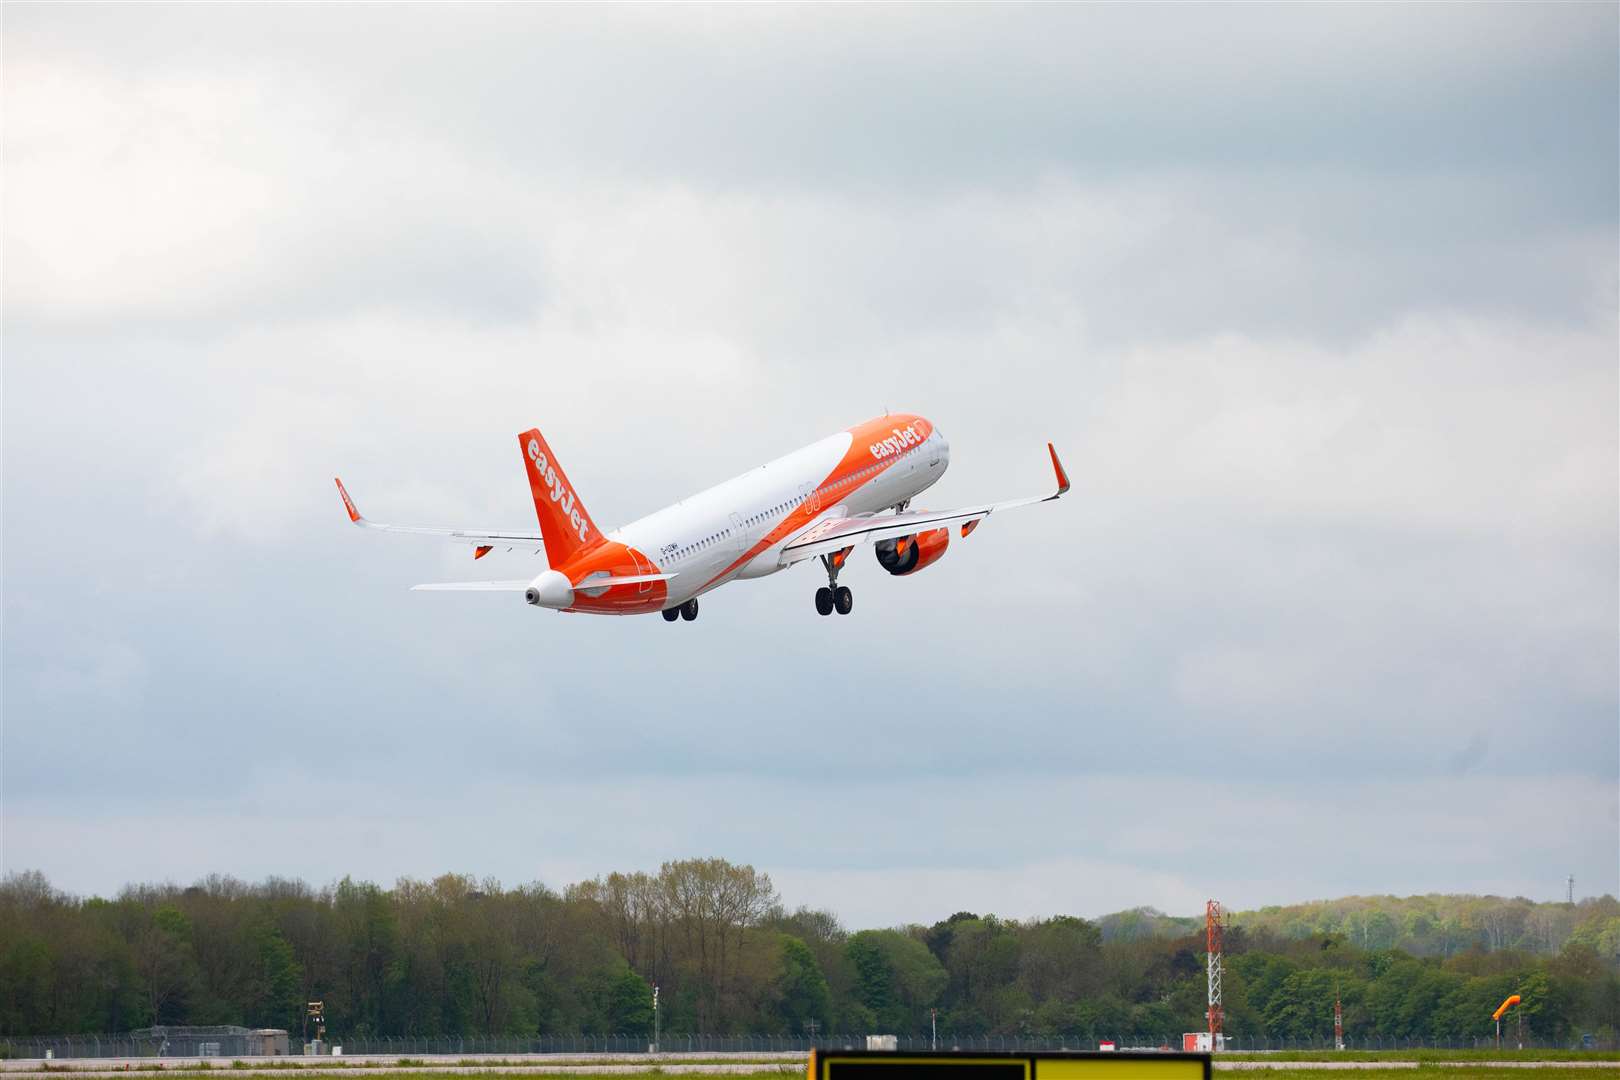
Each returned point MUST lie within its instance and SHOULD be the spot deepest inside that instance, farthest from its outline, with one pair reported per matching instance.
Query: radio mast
(1214, 933)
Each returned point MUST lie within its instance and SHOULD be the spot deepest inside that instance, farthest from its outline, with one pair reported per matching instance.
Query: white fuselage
(700, 539)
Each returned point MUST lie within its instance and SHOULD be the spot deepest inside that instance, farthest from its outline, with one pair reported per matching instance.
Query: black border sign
(1005, 1065)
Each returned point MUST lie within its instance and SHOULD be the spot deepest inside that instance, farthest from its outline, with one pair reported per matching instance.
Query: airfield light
(316, 1011)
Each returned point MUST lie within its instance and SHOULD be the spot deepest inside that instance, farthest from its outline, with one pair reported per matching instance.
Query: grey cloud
(1318, 303)
(911, 94)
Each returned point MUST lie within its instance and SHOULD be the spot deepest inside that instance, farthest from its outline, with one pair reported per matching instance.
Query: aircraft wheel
(824, 601)
(671, 614)
(844, 600)
(689, 609)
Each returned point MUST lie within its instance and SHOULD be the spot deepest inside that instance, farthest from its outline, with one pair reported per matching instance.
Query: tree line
(460, 956)
(1432, 925)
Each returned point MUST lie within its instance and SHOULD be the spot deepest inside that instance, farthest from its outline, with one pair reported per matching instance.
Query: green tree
(897, 978)
(366, 927)
(273, 998)
(630, 1004)
(874, 980)
(1106, 1016)
(461, 956)
(1303, 1008)
(26, 980)
(984, 956)
(165, 965)
(801, 989)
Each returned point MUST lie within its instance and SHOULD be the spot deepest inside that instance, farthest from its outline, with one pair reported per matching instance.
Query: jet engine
(908, 554)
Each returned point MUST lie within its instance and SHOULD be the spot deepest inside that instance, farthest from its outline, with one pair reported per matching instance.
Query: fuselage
(737, 529)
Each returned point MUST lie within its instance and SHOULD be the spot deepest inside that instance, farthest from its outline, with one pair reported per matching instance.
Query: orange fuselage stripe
(838, 484)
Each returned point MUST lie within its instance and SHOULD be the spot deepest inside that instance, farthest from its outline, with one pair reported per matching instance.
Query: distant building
(221, 1040)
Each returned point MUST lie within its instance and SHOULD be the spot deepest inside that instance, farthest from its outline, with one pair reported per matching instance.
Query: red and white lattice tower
(1214, 931)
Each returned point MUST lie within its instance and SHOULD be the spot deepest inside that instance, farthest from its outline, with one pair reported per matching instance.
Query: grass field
(1437, 1065)
(766, 1062)
(1300, 1065)
(1426, 1055)
(1457, 1070)
(1434, 1070)
(1444, 1071)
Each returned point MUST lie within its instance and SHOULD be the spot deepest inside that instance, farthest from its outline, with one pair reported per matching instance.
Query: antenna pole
(1215, 937)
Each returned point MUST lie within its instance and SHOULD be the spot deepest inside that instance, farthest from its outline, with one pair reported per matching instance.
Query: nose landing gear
(833, 596)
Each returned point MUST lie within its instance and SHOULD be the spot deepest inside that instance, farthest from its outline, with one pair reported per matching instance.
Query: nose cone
(550, 590)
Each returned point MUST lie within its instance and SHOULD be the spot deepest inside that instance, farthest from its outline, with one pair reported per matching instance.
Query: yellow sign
(1004, 1065)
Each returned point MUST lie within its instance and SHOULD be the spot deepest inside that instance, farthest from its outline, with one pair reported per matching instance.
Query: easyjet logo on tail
(561, 494)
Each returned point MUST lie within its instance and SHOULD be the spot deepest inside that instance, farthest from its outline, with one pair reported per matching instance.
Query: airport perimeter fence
(782, 1044)
(134, 1046)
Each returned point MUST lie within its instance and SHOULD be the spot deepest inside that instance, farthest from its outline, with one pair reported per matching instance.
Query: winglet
(348, 503)
(1057, 467)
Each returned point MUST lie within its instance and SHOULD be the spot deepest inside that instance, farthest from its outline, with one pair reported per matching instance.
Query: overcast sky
(1318, 303)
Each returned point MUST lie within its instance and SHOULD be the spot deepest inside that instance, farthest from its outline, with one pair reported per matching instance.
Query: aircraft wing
(834, 533)
(481, 541)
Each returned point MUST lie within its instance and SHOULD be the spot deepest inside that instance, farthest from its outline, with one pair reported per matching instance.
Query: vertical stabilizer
(564, 525)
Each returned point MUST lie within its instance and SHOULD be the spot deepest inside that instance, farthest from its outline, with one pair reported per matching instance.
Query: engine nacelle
(908, 554)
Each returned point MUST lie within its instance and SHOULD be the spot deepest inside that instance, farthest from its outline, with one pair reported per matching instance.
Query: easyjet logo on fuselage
(902, 439)
(567, 505)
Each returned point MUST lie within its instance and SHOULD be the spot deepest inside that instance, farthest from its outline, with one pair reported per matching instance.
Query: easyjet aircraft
(816, 503)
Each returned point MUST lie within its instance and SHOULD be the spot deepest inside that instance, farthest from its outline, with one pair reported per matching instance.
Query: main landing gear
(840, 600)
(687, 611)
(833, 596)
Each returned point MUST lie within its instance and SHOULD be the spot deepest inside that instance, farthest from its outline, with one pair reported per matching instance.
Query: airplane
(818, 502)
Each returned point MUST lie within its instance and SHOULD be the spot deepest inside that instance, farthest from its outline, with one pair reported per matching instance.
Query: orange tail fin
(564, 525)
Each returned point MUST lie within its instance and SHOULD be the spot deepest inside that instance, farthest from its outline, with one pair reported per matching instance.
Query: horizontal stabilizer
(480, 540)
(473, 586)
